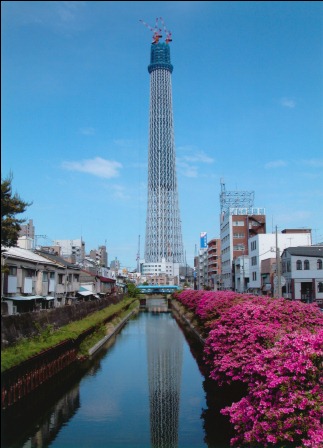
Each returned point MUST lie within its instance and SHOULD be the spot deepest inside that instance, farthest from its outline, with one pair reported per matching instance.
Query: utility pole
(36, 239)
(278, 274)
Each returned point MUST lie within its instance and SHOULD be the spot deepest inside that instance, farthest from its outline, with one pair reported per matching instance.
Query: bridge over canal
(156, 298)
(158, 289)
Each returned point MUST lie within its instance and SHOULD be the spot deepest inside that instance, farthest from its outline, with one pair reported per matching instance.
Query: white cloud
(315, 163)
(188, 164)
(275, 164)
(187, 170)
(97, 167)
(119, 192)
(288, 102)
(87, 131)
(194, 156)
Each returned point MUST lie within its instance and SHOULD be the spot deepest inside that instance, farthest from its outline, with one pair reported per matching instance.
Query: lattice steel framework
(165, 358)
(163, 223)
(235, 199)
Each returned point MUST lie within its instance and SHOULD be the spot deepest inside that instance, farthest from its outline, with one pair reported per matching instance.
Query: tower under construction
(163, 223)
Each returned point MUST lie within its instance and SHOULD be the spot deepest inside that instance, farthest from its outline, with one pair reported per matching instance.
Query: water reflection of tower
(165, 355)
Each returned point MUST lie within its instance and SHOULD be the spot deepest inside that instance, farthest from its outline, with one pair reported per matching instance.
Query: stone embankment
(188, 318)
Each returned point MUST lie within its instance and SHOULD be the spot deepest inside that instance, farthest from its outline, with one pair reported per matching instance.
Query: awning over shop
(21, 298)
(85, 293)
(106, 280)
(48, 298)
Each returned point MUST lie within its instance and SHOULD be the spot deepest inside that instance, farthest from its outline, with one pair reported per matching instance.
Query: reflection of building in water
(64, 410)
(165, 354)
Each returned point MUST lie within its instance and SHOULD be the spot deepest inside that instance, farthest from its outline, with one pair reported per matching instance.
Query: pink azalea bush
(273, 345)
(285, 399)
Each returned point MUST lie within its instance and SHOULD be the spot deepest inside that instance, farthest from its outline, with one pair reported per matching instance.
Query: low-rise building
(263, 246)
(302, 268)
(28, 281)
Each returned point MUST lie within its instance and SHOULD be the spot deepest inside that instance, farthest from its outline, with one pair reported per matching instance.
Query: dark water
(145, 389)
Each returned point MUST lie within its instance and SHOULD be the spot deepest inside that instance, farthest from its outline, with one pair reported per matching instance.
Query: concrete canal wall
(184, 316)
(21, 380)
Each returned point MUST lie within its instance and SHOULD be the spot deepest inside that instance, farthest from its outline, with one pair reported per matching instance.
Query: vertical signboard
(203, 240)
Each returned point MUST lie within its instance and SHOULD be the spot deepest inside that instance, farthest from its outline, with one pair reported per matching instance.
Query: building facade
(27, 230)
(100, 255)
(237, 225)
(214, 263)
(262, 247)
(72, 250)
(302, 267)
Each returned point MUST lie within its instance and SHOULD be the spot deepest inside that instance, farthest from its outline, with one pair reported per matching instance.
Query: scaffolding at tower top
(157, 31)
(235, 198)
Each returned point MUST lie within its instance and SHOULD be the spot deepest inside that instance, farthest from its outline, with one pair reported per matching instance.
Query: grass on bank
(28, 347)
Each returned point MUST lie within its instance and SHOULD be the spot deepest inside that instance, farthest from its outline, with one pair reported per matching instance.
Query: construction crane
(156, 31)
(168, 34)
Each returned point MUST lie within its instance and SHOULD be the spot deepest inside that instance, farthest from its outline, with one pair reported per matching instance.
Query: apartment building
(237, 226)
(214, 263)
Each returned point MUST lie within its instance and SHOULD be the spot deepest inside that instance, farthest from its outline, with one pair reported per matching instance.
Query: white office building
(263, 246)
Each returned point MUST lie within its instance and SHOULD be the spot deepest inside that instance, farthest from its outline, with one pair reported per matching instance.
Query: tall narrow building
(163, 223)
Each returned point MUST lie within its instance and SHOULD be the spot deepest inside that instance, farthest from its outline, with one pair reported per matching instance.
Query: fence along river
(145, 388)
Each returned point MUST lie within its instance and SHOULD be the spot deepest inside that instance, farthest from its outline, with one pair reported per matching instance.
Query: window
(320, 287)
(60, 279)
(306, 265)
(254, 261)
(13, 270)
(239, 247)
(319, 264)
(253, 245)
(254, 276)
(45, 276)
(298, 265)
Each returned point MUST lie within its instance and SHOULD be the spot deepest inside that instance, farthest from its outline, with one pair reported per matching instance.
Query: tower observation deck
(163, 223)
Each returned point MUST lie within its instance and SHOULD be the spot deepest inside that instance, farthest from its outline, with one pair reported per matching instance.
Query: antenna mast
(138, 254)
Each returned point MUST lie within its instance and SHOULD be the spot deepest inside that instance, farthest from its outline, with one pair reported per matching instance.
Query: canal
(145, 388)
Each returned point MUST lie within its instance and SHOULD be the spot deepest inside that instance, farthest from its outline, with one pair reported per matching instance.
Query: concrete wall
(25, 325)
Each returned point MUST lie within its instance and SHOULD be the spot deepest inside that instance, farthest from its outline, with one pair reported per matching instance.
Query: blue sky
(248, 108)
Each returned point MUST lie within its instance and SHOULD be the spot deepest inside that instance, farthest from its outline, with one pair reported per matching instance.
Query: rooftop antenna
(138, 254)
(156, 31)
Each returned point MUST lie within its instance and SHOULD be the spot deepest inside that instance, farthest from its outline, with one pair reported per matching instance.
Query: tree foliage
(133, 291)
(11, 205)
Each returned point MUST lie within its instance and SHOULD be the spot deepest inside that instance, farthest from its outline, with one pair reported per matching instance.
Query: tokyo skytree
(163, 223)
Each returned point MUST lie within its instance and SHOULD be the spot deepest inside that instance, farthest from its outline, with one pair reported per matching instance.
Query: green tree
(133, 291)
(11, 205)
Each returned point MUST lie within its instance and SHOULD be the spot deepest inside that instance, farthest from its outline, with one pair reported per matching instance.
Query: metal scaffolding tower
(163, 223)
(235, 198)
